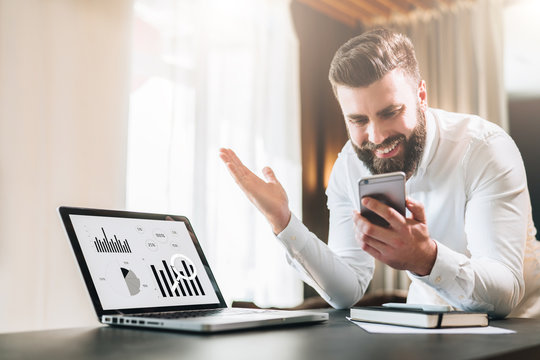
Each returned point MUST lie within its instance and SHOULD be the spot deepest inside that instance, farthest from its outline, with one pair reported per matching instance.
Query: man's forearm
(341, 279)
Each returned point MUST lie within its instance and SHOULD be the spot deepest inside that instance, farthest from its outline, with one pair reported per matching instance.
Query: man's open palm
(268, 196)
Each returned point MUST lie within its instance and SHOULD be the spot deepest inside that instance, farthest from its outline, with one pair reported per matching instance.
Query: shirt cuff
(293, 236)
(445, 270)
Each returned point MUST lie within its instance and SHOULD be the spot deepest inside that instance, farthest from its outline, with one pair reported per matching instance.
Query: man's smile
(390, 150)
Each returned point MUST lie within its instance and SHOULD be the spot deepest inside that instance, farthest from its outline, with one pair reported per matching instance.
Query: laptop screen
(139, 262)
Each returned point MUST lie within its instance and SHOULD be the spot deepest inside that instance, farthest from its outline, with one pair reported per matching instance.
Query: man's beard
(413, 150)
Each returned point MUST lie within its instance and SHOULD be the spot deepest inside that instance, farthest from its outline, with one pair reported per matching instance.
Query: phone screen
(387, 188)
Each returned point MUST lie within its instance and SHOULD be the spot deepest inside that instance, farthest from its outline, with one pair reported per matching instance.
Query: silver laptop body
(148, 270)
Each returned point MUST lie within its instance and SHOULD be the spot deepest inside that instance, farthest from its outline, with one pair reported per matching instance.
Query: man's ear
(422, 95)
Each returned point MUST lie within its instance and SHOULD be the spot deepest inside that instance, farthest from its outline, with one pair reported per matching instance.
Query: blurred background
(124, 104)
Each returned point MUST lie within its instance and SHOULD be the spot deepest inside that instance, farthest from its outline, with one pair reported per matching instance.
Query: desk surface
(335, 339)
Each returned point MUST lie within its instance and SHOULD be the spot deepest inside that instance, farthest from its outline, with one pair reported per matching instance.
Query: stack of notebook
(418, 316)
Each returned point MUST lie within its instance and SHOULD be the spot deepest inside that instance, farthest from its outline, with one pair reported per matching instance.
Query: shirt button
(293, 237)
(461, 297)
(437, 279)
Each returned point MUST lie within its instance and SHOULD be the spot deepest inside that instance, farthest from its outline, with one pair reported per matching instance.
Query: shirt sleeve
(340, 271)
(490, 278)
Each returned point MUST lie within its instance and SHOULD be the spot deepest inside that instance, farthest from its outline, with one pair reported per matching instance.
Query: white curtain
(459, 49)
(63, 118)
(210, 74)
(460, 52)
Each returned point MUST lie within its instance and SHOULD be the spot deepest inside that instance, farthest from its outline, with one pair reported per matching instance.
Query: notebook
(148, 270)
(418, 317)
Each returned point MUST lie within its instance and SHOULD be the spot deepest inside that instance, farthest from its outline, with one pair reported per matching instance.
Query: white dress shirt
(472, 182)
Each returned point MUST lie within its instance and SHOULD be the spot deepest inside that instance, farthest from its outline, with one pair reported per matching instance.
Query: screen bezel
(66, 211)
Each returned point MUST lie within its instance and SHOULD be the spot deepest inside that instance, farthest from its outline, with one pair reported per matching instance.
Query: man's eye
(358, 122)
(390, 114)
(393, 113)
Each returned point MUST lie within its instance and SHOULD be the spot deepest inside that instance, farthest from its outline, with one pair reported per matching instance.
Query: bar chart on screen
(173, 282)
(107, 245)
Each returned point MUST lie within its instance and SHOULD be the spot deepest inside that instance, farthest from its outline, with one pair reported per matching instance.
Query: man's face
(386, 122)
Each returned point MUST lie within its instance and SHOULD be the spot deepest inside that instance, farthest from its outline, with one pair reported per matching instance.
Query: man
(469, 239)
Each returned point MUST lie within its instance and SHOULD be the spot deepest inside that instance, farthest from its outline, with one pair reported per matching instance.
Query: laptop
(148, 270)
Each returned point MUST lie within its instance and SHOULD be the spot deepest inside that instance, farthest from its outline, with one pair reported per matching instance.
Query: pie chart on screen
(132, 281)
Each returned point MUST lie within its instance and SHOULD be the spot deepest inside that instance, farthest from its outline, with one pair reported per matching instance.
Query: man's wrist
(425, 267)
(280, 224)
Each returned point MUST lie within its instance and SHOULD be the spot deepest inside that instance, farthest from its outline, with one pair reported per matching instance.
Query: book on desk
(418, 317)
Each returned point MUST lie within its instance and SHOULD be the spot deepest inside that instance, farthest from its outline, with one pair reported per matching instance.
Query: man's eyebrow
(390, 109)
(385, 111)
(357, 116)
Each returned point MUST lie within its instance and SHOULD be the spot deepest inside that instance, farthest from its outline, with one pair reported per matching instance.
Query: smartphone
(388, 188)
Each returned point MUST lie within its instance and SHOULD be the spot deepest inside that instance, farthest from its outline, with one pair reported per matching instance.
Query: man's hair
(367, 58)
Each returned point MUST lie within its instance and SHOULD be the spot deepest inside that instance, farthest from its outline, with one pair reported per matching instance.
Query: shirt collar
(432, 140)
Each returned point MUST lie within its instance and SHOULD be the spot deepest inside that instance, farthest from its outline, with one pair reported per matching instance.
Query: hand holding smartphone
(387, 188)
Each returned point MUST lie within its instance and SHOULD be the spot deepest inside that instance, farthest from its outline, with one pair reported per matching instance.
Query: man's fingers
(233, 162)
(228, 156)
(366, 229)
(378, 246)
(239, 170)
(225, 155)
(240, 173)
(417, 210)
(367, 245)
(388, 213)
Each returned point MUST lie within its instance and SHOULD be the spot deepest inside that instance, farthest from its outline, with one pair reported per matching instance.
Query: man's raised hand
(268, 196)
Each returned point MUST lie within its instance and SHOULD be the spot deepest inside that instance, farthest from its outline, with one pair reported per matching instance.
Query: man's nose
(376, 134)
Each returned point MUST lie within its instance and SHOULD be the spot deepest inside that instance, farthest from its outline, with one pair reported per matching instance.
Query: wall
(64, 75)
(323, 129)
(524, 116)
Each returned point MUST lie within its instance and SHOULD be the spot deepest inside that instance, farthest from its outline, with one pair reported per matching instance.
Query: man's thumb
(417, 210)
(269, 175)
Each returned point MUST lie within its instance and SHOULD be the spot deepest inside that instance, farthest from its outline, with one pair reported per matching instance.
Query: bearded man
(469, 240)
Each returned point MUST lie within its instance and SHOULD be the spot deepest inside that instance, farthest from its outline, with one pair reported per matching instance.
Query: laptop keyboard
(199, 313)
